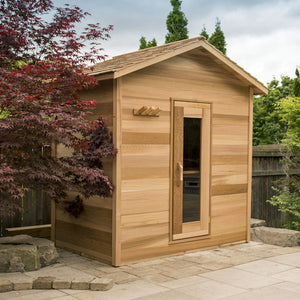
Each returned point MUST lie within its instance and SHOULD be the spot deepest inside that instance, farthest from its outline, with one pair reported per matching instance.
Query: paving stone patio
(245, 271)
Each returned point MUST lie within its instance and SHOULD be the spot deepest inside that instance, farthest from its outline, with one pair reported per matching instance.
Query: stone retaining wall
(24, 253)
(276, 236)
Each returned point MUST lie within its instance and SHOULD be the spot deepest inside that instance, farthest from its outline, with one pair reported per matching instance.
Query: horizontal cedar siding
(91, 232)
(145, 181)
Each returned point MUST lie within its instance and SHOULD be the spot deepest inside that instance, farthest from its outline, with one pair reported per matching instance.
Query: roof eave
(104, 76)
(262, 91)
(258, 87)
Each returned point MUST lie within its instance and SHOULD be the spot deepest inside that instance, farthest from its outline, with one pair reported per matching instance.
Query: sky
(262, 36)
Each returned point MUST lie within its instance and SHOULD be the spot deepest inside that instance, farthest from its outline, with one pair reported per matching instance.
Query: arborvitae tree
(152, 43)
(217, 38)
(144, 44)
(204, 32)
(296, 86)
(176, 23)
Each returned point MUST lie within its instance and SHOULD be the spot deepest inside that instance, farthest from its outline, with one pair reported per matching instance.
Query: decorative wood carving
(147, 111)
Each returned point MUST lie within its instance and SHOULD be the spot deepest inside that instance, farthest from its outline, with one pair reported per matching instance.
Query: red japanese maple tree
(42, 63)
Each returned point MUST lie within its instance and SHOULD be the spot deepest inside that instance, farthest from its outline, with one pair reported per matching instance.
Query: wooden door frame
(185, 237)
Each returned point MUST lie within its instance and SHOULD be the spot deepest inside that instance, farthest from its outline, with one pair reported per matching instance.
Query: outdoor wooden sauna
(183, 129)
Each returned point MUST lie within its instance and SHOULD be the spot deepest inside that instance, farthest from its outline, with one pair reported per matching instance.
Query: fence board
(266, 170)
(36, 211)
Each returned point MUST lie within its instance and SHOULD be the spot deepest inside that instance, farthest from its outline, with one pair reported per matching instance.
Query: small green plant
(288, 199)
(288, 193)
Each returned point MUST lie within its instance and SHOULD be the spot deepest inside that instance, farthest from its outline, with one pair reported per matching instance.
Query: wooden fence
(36, 211)
(266, 170)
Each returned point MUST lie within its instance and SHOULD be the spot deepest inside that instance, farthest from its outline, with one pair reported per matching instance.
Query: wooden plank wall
(145, 155)
(91, 233)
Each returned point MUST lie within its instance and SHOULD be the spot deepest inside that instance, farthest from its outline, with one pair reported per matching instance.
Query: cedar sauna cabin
(183, 129)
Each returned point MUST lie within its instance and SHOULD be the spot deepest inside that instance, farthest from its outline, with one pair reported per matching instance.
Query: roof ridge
(198, 38)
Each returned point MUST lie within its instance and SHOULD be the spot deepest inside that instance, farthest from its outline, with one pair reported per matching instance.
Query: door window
(191, 169)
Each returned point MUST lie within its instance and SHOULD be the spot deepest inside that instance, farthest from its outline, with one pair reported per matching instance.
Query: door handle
(179, 170)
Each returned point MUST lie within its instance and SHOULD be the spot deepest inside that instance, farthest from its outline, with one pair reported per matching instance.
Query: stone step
(276, 236)
(257, 223)
(24, 253)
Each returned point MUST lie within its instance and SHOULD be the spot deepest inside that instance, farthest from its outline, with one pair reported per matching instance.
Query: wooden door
(191, 169)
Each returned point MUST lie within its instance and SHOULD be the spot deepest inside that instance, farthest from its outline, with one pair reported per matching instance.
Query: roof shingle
(123, 64)
(126, 60)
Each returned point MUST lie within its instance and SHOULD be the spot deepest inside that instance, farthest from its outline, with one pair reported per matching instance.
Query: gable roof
(130, 62)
